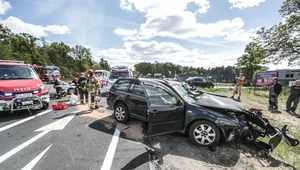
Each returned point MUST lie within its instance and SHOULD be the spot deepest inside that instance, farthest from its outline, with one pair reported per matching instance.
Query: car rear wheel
(121, 113)
(204, 133)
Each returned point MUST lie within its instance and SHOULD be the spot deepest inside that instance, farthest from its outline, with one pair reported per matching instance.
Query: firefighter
(57, 86)
(93, 87)
(82, 89)
(75, 81)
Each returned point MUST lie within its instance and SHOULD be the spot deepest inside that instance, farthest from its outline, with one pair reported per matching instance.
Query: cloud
(242, 35)
(178, 22)
(18, 26)
(125, 5)
(4, 6)
(150, 51)
(182, 25)
(244, 3)
(161, 8)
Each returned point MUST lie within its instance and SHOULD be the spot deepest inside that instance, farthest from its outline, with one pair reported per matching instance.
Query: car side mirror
(179, 103)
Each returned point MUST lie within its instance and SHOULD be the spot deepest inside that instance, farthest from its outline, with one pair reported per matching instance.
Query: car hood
(207, 100)
(25, 85)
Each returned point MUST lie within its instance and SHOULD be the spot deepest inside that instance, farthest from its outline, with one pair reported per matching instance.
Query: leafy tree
(83, 57)
(282, 41)
(32, 50)
(253, 60)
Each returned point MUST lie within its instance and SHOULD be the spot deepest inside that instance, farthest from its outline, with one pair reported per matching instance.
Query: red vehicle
(21, 88)
(45, 72)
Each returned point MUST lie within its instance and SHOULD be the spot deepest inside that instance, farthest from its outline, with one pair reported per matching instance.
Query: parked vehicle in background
(119, 71)
(102, 76)
(45, 72)
(67, 88)
(199, 82)
(167, 107)
(21, 88)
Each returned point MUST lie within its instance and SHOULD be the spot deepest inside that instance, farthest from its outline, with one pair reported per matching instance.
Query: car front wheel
(71, 90)
(121, 113)
(204, 133)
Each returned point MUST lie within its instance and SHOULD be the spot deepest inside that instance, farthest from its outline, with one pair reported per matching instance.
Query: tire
(121, 113)
(71, 90)
(206, 124)
(45, 106)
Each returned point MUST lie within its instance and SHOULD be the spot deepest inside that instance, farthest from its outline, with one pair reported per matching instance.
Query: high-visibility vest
(92, 85)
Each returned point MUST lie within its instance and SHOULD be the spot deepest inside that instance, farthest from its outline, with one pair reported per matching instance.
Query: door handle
(127, 96)
(154, 112)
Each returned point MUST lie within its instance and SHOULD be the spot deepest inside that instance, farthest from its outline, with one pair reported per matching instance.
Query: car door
(165, 110)
(137, 101)
(204, 82)
(200, 82)
(119, 90)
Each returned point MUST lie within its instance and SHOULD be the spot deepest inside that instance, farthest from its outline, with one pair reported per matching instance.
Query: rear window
(121, 85)
(138, 89)
(116, 75)
(16, 72)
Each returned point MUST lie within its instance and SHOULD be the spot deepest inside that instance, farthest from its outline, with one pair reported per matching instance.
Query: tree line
(168, 69)
(32, 50)
(276, 44)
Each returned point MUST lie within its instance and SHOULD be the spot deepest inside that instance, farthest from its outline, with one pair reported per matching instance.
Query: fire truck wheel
(45, 106)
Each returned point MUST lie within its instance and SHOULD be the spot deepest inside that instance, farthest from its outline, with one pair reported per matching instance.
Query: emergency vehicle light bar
(11, 61)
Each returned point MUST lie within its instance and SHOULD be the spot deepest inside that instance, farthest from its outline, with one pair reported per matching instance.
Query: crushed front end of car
(255, 126)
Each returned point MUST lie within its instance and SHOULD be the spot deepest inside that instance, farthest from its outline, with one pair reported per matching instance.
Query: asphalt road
(70, 139)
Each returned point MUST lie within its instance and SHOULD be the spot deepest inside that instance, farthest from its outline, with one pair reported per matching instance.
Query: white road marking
(22, 146)
(109, 157)
(24, 120)
(58, 125)
(31, 164)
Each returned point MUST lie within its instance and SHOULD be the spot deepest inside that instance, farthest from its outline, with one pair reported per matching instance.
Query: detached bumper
(33, 103)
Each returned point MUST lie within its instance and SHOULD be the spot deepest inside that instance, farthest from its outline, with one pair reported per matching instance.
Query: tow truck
(46, 72)
(21, 88)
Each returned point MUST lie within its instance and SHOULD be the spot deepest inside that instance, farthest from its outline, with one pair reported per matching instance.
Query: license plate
(27, 103)
(23, 95)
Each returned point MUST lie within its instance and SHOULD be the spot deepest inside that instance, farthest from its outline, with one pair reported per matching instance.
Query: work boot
(239, 99)
(232, 97)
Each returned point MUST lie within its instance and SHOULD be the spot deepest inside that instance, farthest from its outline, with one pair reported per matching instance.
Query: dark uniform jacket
(82, 82)
(295, 91)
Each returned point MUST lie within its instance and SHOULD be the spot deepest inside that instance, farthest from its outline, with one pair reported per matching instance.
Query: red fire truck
(21, 88)
(47, 72)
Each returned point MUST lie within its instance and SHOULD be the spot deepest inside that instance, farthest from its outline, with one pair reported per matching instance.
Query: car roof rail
(11, 61)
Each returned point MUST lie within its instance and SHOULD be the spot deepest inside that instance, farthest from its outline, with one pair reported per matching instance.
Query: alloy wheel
(204, 134)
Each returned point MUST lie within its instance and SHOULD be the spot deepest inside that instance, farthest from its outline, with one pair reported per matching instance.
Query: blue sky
(201, 33)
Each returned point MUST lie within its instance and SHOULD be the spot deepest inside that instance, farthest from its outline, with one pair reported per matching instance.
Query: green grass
(260, 99)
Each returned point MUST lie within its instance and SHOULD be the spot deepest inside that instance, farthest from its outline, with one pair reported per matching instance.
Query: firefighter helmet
(82, 74)
(75, 79)
(91, 72)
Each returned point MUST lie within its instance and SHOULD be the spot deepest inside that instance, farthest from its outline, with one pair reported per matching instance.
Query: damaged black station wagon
(208, 119)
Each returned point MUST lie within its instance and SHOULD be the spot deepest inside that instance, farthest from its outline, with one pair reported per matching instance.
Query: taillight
(108, 94)
(191, 82)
